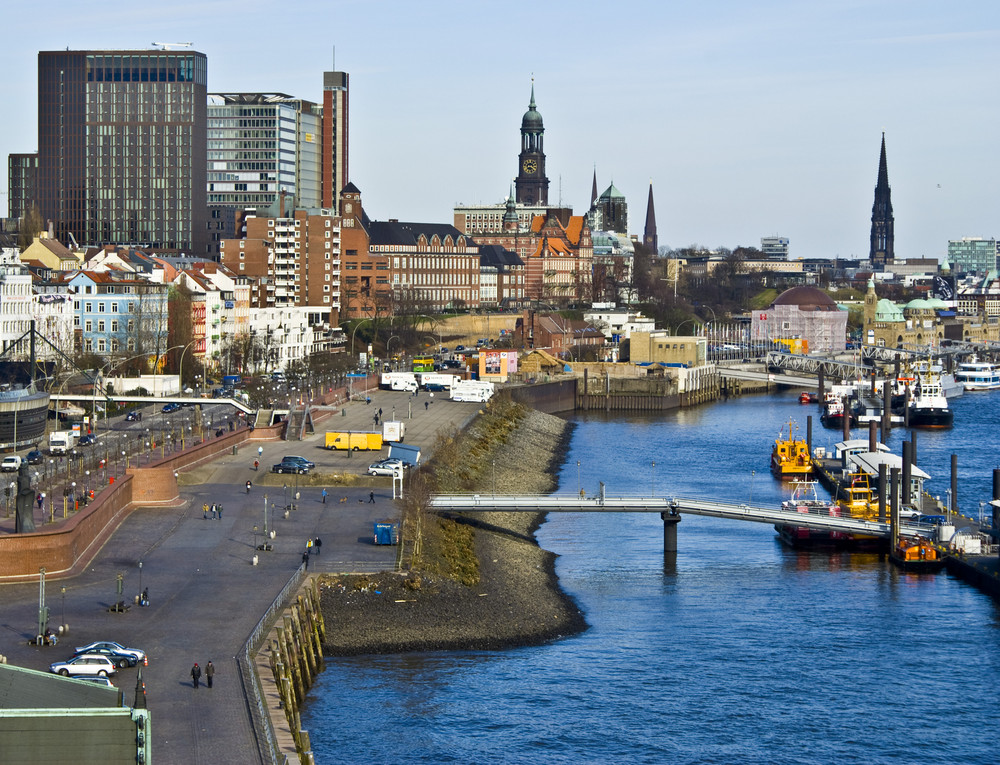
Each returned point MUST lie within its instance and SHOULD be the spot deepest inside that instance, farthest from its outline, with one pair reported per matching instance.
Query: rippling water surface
(741, 651)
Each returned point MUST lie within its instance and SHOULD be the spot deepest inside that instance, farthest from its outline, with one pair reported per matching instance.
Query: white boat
(951, 387)
(978, 375)
(929, 407)
(805, 499)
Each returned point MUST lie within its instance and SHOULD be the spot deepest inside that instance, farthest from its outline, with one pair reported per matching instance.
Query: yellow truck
(354, 441)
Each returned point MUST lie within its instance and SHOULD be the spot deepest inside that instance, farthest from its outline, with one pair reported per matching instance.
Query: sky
(750, 119)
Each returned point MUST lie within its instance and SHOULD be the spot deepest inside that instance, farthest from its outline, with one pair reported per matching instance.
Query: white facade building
(16, 299)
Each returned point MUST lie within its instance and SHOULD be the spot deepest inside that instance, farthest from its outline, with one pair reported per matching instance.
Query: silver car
(85, 664)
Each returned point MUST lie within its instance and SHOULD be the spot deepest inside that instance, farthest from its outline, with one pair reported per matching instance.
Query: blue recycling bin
(386, 532)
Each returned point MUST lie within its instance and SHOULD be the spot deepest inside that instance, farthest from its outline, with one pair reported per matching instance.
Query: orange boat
(917, 556)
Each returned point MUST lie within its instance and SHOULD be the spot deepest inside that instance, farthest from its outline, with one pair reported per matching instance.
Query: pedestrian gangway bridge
(669, 508)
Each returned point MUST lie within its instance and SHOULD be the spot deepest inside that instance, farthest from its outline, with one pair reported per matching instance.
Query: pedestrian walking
(426, 405)
(317, 545)
(323, 495)
(260, 451)
(220, 511)
(309, 547)
(368, 400)
(371, 498)
(204, 510)
(256, 464)
(209, 673)
(249, 486)
(305, 560)
(215, 510)
(195, 675)
(380, 412)
(39, 499)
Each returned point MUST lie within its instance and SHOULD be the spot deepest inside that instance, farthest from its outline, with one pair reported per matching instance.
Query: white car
(385, 467)
(10, 464)
(85, 664)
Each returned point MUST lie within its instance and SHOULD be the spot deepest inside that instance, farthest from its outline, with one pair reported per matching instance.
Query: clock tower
(532, 185)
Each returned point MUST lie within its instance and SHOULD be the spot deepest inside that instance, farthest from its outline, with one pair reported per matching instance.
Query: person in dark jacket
(195, 674)
(209, 673)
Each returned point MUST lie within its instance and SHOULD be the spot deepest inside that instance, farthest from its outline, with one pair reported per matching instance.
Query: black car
(289, 467)
(34, 457)
(88, 439)
(173, 406)
(120, 660)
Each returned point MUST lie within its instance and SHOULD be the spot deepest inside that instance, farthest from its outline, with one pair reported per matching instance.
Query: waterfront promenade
(205, 596)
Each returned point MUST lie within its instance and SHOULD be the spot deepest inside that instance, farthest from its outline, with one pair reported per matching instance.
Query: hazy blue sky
(751, 118)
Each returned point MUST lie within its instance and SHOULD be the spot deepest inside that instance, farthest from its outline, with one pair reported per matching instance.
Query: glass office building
(122, 147)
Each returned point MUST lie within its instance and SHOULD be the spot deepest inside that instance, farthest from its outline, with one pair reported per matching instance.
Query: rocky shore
(517, 600)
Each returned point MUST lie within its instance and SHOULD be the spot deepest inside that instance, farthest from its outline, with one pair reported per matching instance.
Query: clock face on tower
(529, 166)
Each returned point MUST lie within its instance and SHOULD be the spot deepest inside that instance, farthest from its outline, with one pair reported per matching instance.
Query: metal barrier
(258, 712)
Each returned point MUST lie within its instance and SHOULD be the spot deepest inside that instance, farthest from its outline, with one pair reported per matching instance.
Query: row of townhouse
(123, 304)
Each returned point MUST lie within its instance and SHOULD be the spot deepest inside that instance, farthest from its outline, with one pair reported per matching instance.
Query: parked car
(134, 416)
(173, 406)
(88, 439)
(119, 659)
(93, 679)
(290, 467)
(385, 467)
(11, 464)
(293, 459)
(84, 664)
(138, 653)
(459, 348)
(34, 457)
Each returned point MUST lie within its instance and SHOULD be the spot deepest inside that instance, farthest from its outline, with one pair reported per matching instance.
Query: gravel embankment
(517, 600)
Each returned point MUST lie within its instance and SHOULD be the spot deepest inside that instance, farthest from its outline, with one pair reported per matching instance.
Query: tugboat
(805, 499)
(916, 556)
(929, 407)
(834, 412)
(790, 458)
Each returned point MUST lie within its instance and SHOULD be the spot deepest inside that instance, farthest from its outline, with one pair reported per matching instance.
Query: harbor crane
(172, 45)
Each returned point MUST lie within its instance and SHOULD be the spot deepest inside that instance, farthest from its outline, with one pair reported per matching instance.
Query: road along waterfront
(742, 650)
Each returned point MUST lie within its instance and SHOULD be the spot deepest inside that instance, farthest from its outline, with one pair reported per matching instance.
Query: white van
(11, 464)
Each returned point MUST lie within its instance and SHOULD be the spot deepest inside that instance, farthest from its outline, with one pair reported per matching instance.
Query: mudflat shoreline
(517, 600)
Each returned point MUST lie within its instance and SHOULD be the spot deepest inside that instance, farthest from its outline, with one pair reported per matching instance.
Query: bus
(423, 364)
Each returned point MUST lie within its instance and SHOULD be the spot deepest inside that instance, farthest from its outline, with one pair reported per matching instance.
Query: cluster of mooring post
(296, 657)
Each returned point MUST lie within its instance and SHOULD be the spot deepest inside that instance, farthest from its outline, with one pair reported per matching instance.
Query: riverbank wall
(281, 665)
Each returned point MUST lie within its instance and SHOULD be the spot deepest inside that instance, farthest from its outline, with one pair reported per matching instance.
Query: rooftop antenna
(172, 45)
(334, 58)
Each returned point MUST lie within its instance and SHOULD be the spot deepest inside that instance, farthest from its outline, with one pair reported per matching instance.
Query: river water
(743, 651)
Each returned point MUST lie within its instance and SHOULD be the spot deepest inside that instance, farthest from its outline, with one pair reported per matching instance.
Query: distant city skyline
(751, 120)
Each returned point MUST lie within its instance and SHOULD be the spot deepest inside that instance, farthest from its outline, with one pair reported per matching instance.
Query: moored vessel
(790, 456)
(929, 408)
(978, 375)
(805, 499)
(916, 555)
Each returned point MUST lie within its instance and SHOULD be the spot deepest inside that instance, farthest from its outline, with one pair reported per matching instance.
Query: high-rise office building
(22, 176)
(335, 133)
(774, 247)
(260, 144)
(122, 147)
(972, 255)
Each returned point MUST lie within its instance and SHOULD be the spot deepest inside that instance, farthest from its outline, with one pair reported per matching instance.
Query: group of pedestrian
(215, 509)
(196, 674)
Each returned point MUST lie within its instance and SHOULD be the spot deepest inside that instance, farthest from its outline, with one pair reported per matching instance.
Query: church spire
(593, 189)
(882, 251)
(649, 234)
